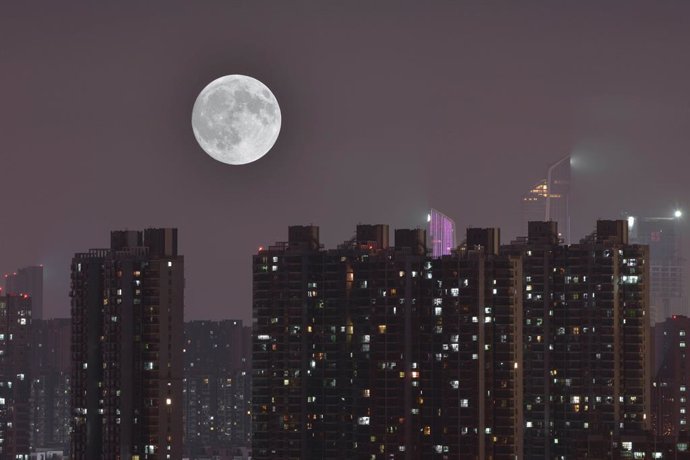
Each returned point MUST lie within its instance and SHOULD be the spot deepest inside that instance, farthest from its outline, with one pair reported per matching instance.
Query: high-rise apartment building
(50, 383)
(587, 347)
(441, 232)
(371, 351)
(217, 379)
(474, 352)
(15, 376)
(671, 388)
(28, 280)
(127, 340)
(549, 199)
(535, 349)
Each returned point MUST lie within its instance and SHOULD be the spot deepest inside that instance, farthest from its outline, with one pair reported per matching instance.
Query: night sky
(388, 108)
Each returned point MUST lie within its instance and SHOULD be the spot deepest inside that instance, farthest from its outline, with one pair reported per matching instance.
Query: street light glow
(678, 214)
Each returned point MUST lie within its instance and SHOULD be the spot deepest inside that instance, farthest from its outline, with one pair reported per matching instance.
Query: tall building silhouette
(549, 199)
(15, 376)
(28, 280)
(127, 340)
(441, 231)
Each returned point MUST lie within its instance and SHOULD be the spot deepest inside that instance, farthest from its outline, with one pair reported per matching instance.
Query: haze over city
(344, 230)
(387, 109)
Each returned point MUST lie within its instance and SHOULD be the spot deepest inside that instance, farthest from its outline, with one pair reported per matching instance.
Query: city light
(678, 214)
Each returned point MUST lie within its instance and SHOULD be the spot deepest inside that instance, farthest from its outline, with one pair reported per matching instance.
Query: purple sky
(387, 109)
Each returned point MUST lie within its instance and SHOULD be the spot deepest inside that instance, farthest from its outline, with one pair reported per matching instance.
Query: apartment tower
(127, 340)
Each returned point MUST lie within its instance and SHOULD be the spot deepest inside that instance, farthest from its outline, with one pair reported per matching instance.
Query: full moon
(236, 119)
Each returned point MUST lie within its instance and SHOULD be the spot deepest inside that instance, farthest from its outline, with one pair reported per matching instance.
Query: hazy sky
(388, 108)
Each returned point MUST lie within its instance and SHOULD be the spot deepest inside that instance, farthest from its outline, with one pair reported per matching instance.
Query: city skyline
(97, 94)
(367, 230)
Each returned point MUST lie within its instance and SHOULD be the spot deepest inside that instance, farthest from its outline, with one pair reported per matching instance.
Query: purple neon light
(441, 234)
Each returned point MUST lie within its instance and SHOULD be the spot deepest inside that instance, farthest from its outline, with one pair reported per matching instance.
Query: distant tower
(549, 199)
(441, 231)
(217, 386)
(28, 280)
(50, 382)
(663, 236)
(127, 340)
